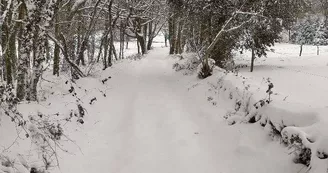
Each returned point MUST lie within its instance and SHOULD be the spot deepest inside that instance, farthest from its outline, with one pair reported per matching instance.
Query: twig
(6, 149)
(73, 143)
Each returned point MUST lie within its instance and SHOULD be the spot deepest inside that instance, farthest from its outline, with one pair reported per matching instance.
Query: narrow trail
(150, 124)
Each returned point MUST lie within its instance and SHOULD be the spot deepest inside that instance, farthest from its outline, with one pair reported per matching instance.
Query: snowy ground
(150, 122)
(301, 79)
(154, 119)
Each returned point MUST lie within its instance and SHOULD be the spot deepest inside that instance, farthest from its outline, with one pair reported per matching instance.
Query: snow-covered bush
(8, 104)
(229, 64)
(187, 62)
(299, 127)
(302, 154)
(44, 130)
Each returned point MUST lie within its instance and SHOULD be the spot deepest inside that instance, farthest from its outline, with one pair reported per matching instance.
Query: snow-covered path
(150, 123)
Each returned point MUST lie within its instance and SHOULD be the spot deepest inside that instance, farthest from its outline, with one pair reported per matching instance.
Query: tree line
(214, 29)
(70, 36)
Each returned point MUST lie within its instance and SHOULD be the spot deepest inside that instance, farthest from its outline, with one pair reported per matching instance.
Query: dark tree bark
(56, 60)
(165, 40)
(8, 42)
(122, 28)
(56, 49)
(114, 51)
(141, 35)
(127, 42)
(24, 53)
(175, 7)
(142, 44)
(172, 33)
(150, 35)
(138, 47)
(10, 58)
(92, 48)
(110, 18)
(252, 60)
(318, 50)
(179, 45)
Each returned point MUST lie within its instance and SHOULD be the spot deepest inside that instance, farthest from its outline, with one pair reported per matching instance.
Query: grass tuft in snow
(301, 153)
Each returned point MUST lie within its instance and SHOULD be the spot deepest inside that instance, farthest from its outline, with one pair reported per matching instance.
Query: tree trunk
(92, 48)
(123, 40)
(121, 53)
(56, 49)
(138, 46)
(253, 59)
(127, 42)
(145, 31)
(165, 40)
(141, 36)
(114, 51)
(110, 52)
(100, 50)
(80, 57)
(150, 35)
(106, 51)
(39, 48)
(76, 71)
(149, 43)
(318, 50)
(179, 39)
(175, 7)
(70, 46)
(48, 50)
(210, 33)
(24, 53)
(105, 42)
(10, 56)
(142, 44)
(79, 43)
(8, 42)
(172, 33)
(301, 50)
(111, 39)
(85, 38)
(4, 40)
(202, 35)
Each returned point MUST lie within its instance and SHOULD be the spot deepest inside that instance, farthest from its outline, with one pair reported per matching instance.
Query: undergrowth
(45, 131)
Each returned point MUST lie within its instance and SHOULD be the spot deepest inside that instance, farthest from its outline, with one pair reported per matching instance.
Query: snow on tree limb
(224, 30)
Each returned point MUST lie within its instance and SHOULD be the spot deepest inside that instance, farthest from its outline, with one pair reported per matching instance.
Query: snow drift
(299, 126)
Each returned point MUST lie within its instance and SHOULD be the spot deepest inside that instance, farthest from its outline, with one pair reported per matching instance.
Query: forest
(67, 36)
(84, 38)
